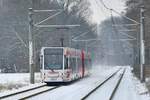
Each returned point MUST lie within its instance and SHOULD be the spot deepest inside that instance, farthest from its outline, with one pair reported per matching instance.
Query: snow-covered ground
(129, 89)
(104, 92)
(80, 88)
(9, 81)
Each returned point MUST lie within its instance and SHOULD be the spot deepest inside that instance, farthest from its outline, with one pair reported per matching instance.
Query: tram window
(53, 59)
(86, 63)
(66, 62)
(79, 62)
(73, 63)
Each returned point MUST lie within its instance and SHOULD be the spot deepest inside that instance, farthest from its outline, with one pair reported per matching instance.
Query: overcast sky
(100, 13)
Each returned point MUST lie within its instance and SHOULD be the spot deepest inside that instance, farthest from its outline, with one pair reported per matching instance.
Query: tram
(64, 64)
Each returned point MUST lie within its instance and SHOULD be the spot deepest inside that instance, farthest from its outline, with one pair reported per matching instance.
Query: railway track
(103, 83)
(28, 93)
(116, 86)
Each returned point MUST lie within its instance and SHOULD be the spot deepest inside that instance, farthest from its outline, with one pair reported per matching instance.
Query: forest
(133, 11)
(14, 29)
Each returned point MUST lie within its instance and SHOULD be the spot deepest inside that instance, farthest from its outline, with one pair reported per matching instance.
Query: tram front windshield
(53, 58)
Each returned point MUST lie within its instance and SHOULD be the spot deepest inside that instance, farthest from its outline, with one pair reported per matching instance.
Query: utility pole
(31, 51)
(142, 48)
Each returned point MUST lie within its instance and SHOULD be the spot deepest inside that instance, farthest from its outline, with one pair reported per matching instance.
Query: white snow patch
(140, 87)
(30, 86)
(12, 81)
(130, 88)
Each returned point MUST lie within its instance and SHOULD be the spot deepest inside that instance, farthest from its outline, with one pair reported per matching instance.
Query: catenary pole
(142, 48)
(31, 51)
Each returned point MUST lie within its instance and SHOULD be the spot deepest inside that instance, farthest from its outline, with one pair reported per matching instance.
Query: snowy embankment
(10, 81)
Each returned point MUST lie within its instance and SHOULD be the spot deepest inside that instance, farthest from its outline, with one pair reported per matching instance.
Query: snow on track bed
(127, 89)
(117, 85)
(21, 90)
(103, 90)
(27, 93)
(34, 93)
(76, 90)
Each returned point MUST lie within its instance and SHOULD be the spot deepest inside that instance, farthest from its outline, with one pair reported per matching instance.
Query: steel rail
(16, 93)
(87, 95)
(117, 85)
(40, 92)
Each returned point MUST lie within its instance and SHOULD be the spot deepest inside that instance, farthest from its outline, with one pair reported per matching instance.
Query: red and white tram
(63, 64)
